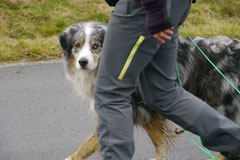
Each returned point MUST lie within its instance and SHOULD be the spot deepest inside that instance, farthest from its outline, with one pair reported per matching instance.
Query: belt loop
(169, 2)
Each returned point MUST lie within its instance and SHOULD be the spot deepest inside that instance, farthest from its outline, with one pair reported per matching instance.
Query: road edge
(6, 65)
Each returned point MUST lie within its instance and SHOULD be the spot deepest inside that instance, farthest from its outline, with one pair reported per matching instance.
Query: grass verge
(29, 28)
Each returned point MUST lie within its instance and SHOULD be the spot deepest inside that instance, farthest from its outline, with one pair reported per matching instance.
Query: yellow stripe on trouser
(130, 57)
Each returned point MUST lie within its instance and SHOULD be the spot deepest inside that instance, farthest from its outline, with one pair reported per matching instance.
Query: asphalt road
(42, 119)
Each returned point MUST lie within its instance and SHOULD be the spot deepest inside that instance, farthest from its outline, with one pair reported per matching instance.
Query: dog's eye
(95, 46)
(77, 44)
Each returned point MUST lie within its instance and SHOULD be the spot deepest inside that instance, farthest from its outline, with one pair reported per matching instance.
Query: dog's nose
(83, 62)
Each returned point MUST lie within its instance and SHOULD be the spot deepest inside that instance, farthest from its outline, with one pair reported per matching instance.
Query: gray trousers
(129, 54)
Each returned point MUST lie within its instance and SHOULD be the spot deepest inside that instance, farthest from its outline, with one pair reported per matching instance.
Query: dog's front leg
(87, 148)
(156, 133)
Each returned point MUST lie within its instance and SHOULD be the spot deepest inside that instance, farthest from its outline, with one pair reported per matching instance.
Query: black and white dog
(82, 43)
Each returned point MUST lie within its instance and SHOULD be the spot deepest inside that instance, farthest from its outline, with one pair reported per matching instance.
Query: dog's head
(82, 44)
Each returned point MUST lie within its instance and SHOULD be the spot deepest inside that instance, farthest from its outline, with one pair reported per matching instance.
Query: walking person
(141, 45)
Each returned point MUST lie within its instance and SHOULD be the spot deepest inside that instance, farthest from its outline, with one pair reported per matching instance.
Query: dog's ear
(66, 39)
(101, 29)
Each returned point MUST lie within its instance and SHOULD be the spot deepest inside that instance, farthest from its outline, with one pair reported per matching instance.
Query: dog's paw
(69, 158)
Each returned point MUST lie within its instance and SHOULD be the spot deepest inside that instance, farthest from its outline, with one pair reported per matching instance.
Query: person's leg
(127, 49)
(162, 94)
(114, 87)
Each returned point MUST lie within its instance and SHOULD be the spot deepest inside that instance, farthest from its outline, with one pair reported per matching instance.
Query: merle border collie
(81, 45)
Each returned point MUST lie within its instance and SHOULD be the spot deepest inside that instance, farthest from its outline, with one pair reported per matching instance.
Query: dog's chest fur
(84, 82)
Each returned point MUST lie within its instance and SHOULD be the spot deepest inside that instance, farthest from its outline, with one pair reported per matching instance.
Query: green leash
(205, 150)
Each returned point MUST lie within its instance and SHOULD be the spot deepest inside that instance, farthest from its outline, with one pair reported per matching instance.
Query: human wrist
(157, 19)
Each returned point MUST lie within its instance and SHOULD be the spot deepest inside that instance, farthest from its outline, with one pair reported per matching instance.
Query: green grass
(214, 17)
(29, 28)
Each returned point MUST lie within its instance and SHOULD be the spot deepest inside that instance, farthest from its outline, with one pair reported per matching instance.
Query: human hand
(164, 35)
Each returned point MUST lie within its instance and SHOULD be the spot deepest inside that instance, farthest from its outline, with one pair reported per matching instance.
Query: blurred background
(29, 28)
